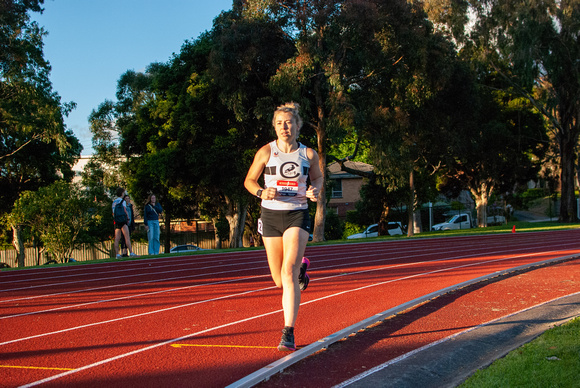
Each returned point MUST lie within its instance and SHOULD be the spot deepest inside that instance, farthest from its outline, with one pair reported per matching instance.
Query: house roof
(334, 171)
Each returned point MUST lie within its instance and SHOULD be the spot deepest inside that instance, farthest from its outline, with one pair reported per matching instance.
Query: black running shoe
(287, 341)
(303, 278)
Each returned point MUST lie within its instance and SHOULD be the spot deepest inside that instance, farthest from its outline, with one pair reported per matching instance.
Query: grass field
(551, 360)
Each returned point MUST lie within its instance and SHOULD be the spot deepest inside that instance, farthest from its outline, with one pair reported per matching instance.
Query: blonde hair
(289, 107)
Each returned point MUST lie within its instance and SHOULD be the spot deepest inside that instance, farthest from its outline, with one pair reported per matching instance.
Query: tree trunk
(383, 220)
(252, 223)
(36, 246)
(417, 221)
(218, 241)
(167, 232)
(236, 219)
(411, 205)
(319, 219)
(482, 195)
(481, 207)
(18, 244)
(568, 201)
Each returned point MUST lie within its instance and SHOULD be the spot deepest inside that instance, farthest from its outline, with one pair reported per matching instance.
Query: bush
(333, 227)
(525, 200)
(351, 228)
(533, 194)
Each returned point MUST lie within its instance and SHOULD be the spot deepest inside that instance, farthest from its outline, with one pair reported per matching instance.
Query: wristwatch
(259, 193)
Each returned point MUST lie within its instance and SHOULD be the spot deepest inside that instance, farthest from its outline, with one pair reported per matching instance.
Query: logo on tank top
(290, 170)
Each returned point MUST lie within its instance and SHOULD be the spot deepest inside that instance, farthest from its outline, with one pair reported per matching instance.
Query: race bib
(287, 188)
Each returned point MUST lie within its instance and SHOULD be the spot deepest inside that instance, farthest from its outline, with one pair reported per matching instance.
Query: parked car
(458, 221)
(186, 248)
(495, 220)
(464, 221)
(393, 228)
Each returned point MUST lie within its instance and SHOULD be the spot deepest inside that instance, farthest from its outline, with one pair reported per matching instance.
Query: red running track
(209, 320)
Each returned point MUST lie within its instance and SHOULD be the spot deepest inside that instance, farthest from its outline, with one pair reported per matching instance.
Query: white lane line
(133, 275)
(136, 315)
(113, 267)
(391, 244)
(194, 261)
(119, 356)
(235, 322)
(158, 280)
(402, 357)
(72, 306)
(283, 363)
(263, 289)
(349, 258)
(34, 273)
(417, 274)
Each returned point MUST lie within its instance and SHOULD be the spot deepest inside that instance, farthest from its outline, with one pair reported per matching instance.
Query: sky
(91, 43)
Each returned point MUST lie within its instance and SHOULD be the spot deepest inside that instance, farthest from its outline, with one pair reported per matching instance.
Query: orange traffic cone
(514, 229)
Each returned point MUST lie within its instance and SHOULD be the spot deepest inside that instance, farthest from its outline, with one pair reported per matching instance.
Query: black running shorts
(275, 222)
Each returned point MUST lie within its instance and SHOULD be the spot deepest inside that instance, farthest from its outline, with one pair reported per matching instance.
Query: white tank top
(288, 174)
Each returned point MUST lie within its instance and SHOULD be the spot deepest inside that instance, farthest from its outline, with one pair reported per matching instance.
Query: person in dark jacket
(121, 228)
(151, 215)
(130, 223)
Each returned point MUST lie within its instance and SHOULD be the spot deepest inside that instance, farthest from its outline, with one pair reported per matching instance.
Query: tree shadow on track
(381, 342)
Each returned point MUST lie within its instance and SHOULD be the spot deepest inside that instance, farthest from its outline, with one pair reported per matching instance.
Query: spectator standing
(151, 219)
(130, 224)
(121, 228)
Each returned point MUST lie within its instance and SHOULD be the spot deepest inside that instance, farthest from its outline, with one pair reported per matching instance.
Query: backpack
(119, 213)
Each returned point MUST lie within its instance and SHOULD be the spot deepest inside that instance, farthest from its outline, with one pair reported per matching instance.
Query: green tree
(189, 127)
(20, 39)
(58, 214)
(103, 174)
(336, 45)
(494, 141)
(247, 49)
(380, 204)
(144, 137)
(177, 136)
(394, 102)
(29, 110)
(534, 46)
(438, 116)
(35, 147)
(312, 77)
(103, 170)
